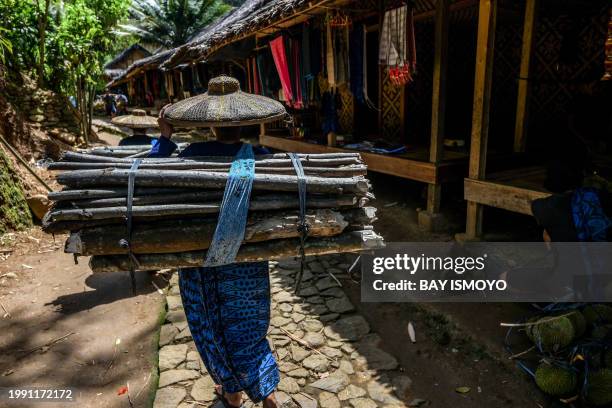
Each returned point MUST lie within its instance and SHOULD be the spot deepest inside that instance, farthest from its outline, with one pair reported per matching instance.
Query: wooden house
(118, 65)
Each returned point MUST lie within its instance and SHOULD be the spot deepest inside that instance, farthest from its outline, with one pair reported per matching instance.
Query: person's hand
(165, 127)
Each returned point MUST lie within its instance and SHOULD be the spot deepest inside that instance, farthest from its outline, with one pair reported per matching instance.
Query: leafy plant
(6, 47)
(171, 23)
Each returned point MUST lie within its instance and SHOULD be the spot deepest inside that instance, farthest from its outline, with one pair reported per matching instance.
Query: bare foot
(234, 399)
(270, 401)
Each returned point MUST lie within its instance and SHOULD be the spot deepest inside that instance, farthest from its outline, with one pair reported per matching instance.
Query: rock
(307, 276)
(417, 402)
(174, 302)
(309, 291)
(299, 373)
(193, 361)
(311, 325)
(377, 359)
(314, 300)
(284, 400)
(381, 393)
(401, 385)
(334, 344)
(331, 352)
(288, 384)
(326, 283)
(363, 403)
(350, 328)
(281, 341)
(319, 309)
(290, 327)
(314, 339)
(288, 263)
(329, 317)
(333, 292)
(167, 334)
(176, 316)
(287, 366)
(316, 362)
(305, 402)
(171, 356)
(316, 267)
(346, 367)
(284, 297)
(282, 353)
(285, 307)
(351, 392)
(173, 376)
(328, 400)
(279, 321)
(332, 383)
(37, 118)
(184, 334)
(299, 353)
(348, 348)
(297, 317)
(169, 397)
(39, 204)
(340, 305)
(203, 389)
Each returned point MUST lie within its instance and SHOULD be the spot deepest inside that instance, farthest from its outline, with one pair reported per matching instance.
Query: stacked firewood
(176, 202)
(129, 151)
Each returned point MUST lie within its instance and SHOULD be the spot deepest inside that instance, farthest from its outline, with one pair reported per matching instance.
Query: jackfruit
(556, 381)
(597, 314)
(578, 321)
(598, 390)
(552, 333)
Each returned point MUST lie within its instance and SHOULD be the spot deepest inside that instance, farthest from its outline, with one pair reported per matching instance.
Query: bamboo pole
(196, 179)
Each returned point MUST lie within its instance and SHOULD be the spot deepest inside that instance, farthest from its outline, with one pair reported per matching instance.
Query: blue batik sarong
(228, 308)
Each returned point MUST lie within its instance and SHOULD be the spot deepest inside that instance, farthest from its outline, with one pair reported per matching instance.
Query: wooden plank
(396, 166)
(499, 195)
(522, 103)
(438, 106)
(487, 16)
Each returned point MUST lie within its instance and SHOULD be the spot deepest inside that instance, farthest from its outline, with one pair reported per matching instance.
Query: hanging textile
(297, 75)
(249, 71)
(277, 46)
(396, 51)
(341, 59)
(330, 63)
(329, 108)
(257, 87)
(608, 52)
(357, 62)
(306, 66)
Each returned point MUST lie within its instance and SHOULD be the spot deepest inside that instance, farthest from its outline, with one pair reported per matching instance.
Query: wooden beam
(500, 195)
(438, 107)
(396, 166)
(522, 103)
(485, 47)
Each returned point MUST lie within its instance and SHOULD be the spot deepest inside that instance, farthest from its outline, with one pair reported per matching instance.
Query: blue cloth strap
(234, 210)
(302, 226)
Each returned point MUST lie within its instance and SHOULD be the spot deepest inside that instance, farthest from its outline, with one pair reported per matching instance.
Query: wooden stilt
(438, 113)
(522, 104)
(482, 103)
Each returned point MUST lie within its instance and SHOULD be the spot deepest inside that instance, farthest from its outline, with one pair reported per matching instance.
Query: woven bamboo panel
(391, 110)
(346, 110)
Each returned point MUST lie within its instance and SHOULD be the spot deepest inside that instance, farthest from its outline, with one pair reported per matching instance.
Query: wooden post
(487, 16)
(438, 112)
(522, 103)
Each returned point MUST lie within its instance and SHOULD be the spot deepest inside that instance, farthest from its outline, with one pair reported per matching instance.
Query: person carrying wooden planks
(227, 306)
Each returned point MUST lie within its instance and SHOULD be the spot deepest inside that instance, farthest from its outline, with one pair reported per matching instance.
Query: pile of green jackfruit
(576, 350)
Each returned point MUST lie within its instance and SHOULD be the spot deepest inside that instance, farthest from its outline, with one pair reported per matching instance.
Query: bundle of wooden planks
(129, 151)
(176, 202)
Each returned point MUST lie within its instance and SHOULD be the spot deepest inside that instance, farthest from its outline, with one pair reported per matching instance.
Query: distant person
(110, 105)
(122, 102)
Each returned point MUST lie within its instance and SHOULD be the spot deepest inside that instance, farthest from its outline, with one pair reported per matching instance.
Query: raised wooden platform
(512, 190)
(411, 165)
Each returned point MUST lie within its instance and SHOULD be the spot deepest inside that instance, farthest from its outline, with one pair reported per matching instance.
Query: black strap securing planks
(302, 226)
(126, 243)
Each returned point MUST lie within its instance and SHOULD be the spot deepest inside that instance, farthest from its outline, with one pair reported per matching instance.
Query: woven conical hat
(137, 120)
(224, 105)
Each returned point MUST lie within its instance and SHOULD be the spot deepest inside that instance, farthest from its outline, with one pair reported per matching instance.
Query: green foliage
(19, 21)
(6, 47)
(171, 22)
(556, 381)
(14, 210)
(599, 388)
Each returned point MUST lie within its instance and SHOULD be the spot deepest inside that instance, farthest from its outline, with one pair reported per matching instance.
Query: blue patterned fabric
(228, 312)
(228, 307)
(589, 218)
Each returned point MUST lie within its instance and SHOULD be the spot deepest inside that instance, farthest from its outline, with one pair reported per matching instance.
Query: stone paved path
(327, 355)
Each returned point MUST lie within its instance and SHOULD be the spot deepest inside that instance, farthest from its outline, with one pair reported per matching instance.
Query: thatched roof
(125, 54)
(147, 63)
(252, 16)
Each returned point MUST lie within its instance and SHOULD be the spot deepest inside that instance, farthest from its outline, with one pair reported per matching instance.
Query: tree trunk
(42, 36)
(191, 235)
(270, 250)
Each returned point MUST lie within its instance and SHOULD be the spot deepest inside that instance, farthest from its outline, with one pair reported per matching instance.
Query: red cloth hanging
(277, 46)
(256, 81)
